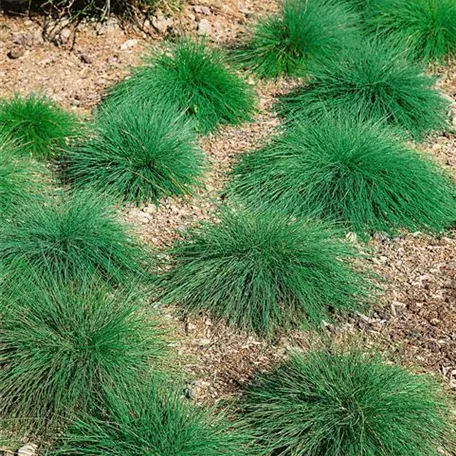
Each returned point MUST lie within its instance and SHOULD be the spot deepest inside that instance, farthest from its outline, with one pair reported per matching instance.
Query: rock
(128, 44)
(162, 24)
(204, 27)
(27, 450)
(15, 53)
(65, 34)
(85, 58)
(199, 9)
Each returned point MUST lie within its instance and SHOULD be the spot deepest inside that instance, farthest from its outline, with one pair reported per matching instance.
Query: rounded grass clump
(37, 125)
(20, 179)
(303, 31)
(263, 273)
(426, 27)
(194, 77)
(153, 421)
(372, 82)
(63, 237)
(334, 403)
(61, 347)
(356, 173)
(139, 153)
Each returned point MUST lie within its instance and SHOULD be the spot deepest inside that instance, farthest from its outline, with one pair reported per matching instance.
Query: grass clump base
(303, 31)
(426, 27)
(36, 124)
(355, 173)
(263, 273)
(62, 346)
(140, 153)
(336, 403)
(68, 235)
(373, 82)
(150, 420)
(195, 78)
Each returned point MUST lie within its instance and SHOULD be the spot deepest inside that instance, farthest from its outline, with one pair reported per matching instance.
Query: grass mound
(36, 124)
(66, 236)
(303, 31)
(426, 27)
(61, 346)
(349, 404)
(353, 172)
(263, 272)
(20, 179)
(194, 77)
(149, 420)
(372, 82)
(140, 153)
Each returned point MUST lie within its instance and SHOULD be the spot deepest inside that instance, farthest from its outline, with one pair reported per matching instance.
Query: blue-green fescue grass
(37, 125)
(356, 173)
(139, 153)
(346, 403)
(375, 81)
(20, 178)
(426, 27)
(68, 235)
(195, 77)
(263, 273)
(154, 421)
(303, 31)
(62, 345)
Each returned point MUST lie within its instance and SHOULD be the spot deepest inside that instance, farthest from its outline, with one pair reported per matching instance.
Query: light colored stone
(204, 27)
(128, 44)
(27, 450)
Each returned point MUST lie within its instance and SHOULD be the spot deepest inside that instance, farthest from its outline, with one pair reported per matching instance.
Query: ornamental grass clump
(139, 153)
(355, 173)
(62, 346)
(20, 179)
(337, 403)
(426, 27)
(68, 235)
(263, 273)
(374, 81)
(37, 125)
(194, 77)
(303, 31)
(154, 421)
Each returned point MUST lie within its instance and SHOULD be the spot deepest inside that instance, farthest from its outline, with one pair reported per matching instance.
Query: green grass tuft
(373, 82)
(61, 346)
(37, 125)
(350, 404)
(194, 77)
(149, 420)
(139, 153)
(303, 31)
(352, 172)
(426, 27)
(20, 179)
(263, 273)
(68, 235)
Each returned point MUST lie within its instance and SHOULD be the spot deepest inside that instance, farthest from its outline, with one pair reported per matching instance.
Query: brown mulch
(415, 317)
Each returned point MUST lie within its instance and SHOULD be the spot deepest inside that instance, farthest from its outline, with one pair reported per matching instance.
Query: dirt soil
(414, 317)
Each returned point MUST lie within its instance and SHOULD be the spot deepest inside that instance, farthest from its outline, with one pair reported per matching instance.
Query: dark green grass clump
(426, 27)
(36, 124)
(352, 172)
(20, 179)
(263, 273)
(61, 346)
(195, 78)
(303, 31)
(349, 404)
(139, 154)
(66, 236)
(372, 82)
(149, 420)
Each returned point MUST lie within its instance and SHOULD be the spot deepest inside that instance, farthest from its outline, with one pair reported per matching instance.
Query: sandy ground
(415, 317)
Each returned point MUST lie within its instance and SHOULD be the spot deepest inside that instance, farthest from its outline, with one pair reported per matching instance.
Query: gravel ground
(415, 317)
